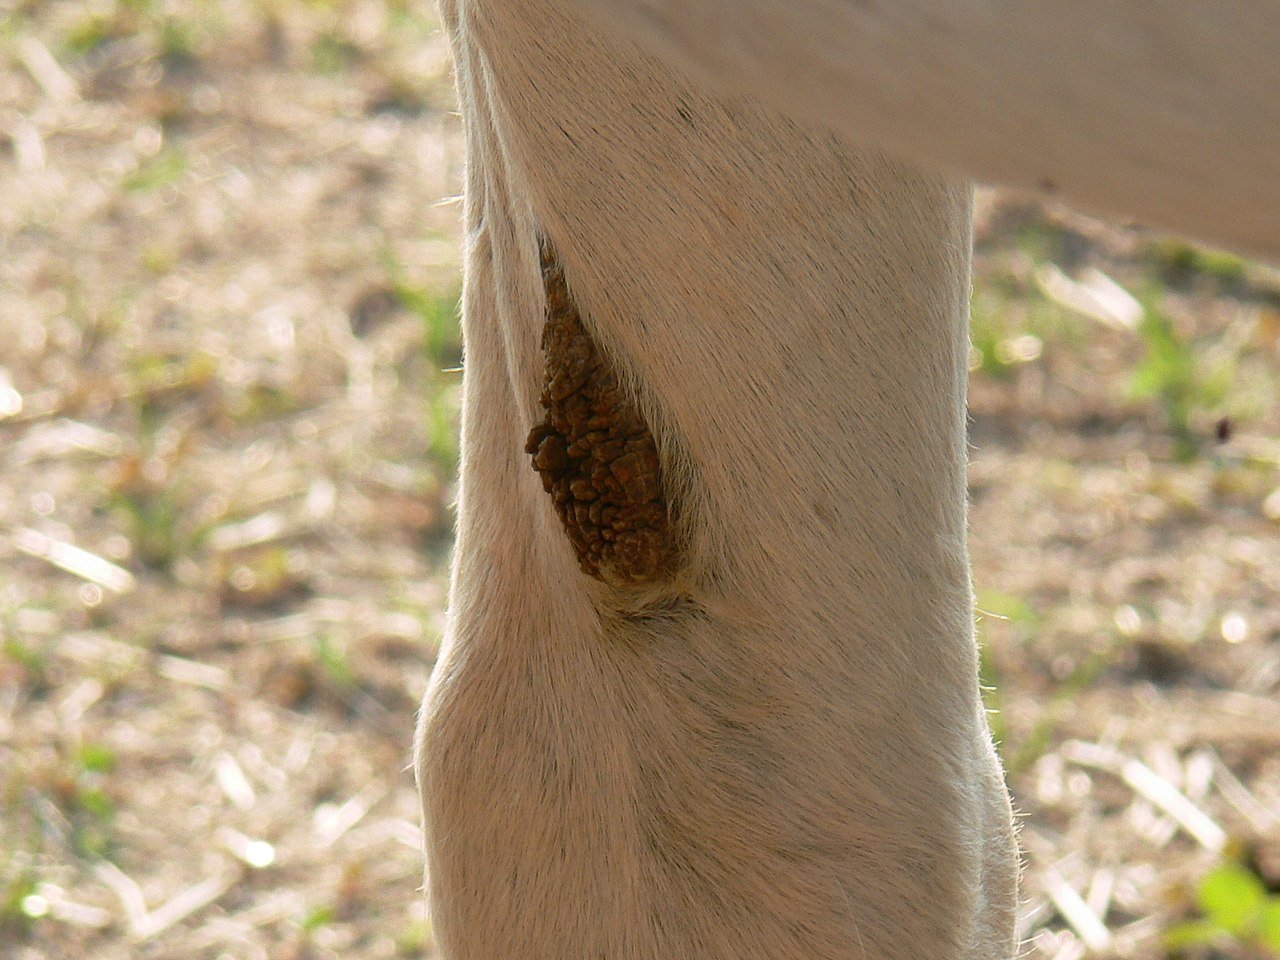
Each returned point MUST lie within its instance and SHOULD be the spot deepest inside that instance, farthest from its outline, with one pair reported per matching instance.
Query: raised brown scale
(594, 451)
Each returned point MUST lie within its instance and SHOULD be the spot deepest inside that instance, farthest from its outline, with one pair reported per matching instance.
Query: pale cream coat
(778, 751)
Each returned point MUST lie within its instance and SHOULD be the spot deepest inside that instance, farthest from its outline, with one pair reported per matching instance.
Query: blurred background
(228, 398)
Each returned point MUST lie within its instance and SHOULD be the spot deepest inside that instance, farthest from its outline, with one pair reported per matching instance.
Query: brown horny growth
(594, 451)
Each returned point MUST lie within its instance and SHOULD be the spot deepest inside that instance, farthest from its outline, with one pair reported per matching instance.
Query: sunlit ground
(228, 396)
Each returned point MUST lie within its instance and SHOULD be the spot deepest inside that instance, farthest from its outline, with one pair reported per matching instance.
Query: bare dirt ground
(228, 393)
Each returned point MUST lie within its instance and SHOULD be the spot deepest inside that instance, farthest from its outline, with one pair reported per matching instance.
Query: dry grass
(1128, 568)
(228, 285)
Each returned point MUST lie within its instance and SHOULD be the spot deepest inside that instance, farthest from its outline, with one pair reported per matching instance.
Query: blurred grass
(225, 394)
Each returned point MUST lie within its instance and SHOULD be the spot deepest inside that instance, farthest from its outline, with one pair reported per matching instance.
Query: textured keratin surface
(594, 451)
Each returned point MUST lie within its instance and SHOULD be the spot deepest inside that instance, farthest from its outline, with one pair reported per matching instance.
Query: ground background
(228, 390)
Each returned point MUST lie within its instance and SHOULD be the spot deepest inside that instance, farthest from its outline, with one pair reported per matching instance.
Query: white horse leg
(746, 727)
